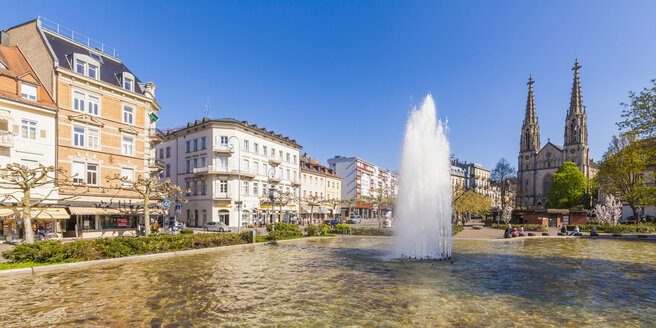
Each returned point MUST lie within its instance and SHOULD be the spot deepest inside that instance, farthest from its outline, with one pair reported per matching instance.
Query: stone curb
(50, 267)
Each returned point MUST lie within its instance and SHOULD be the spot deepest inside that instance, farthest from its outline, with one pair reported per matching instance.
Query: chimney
(4, 38)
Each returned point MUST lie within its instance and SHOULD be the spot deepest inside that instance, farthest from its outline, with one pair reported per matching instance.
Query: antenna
(207, 108)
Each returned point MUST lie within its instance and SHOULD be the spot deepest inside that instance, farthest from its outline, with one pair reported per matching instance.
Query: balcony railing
(77, 37)
(6, 139)
(222, 195)
(211, 169)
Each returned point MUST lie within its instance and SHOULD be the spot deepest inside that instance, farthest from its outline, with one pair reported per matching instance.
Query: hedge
(620, 228)
(527, 227)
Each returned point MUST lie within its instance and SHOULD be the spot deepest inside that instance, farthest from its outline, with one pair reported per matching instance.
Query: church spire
(530, 117)
(576, 101)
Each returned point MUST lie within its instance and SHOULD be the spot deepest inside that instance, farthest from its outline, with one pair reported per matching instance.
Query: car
(331, 223)
(216, 226)
(355, 219)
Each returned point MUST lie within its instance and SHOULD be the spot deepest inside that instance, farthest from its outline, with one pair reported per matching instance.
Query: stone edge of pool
(32, 270)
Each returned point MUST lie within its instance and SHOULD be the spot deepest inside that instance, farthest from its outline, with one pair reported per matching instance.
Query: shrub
(324, 229)
(186, 231)
(286, 227)
(527, 227)
(311, 230)
(620, 228)
(342, 228)
(455, 229)
(477, 227)
(371, 232)
(283, 234)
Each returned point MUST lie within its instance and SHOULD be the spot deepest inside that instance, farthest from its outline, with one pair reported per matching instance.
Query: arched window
(546, 184)
(574, 131)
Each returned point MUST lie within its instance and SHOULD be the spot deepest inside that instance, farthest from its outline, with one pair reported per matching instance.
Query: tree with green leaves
(640, 113)
(568, 187)
(467, 202)
(627, 170)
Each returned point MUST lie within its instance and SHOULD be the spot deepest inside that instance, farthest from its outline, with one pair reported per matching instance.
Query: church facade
(536, 163)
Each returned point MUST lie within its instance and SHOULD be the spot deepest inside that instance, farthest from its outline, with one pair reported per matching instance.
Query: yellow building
(105, 124)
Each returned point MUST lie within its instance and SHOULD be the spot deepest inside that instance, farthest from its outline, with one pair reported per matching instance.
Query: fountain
(424, 201)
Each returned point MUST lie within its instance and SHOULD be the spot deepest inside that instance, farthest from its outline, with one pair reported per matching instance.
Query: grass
(8, 265)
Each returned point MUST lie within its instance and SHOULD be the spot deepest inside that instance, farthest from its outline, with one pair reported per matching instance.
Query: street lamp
(239, 203)
(272, 197)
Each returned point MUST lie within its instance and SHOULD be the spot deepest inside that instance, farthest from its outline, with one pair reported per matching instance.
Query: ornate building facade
(536, 165)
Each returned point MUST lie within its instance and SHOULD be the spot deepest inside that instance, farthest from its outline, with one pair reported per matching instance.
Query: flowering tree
(507, 215)
(610, 211)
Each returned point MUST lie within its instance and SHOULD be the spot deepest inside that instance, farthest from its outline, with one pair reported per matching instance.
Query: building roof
(310, 165)
(110, 67)
(18, 68)
(231, 121)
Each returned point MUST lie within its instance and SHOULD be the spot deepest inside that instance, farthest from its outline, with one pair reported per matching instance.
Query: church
(536, 164)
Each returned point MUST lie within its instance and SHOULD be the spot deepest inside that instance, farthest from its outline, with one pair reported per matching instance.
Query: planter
(531, 234)
(545, 234)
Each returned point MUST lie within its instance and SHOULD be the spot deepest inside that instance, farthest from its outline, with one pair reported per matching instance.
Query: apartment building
(105, 123)
(457, 178)
(27, 137)
(361, 178)
(477, 178)
(321, 182)
(228, 167)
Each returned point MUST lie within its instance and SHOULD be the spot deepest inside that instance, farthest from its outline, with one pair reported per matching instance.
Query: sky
(341, 77)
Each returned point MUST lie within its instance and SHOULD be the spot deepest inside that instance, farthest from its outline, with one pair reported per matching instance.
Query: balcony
(296, 182)
(155, 165)
(274, 179)
(223, 170)
(155, 136)
(274, 161)
(223, 149)
(6, 139)
(225, 196)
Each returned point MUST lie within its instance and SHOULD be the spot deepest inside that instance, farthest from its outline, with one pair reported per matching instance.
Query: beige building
(105, 123)
(319, 184)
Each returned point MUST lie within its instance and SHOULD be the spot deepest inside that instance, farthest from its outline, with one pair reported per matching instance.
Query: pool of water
(351, 282)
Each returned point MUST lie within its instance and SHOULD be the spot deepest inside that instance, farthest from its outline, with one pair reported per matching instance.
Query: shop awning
(41, 213)
(74, 210)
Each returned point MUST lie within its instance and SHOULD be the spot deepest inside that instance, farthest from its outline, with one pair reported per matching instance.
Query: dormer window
(127, 81)
(28, 91)
(86, 65)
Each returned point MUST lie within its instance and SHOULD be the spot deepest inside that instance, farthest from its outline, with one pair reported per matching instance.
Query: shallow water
(351, 282)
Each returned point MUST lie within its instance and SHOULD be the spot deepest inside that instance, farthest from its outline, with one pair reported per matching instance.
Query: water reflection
(349, 281)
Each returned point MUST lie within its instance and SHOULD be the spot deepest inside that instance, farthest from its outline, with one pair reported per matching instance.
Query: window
(273, 152)
(128, 146)
(203, 142)
(264, 150)
(92, 71)
(77, 172)
(288, 172)
(28, 91)
(187, 166)
(280, 155)
(93, 138)
(188, 146)
(92, 174)
(128, 83)
(256, 148)
(294, 159)
(245, 167)
(78, 136)
(255, 187)
(245, 187)
(223, 162)
(30, 164)
(223, 186)
(168, 170)
(168, 152)
(161, 153)
(28, 129)
(264, 189)
(288, 158)
(92, 102)
(203, 187)
(224, 141)
(195, 143)
(187, 191)
(128, 174)
(78, 101)
(264, 169)
(246, 145)
(128, 114)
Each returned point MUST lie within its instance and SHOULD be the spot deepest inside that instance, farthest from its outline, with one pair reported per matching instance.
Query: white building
(361, 178)
(223, 162)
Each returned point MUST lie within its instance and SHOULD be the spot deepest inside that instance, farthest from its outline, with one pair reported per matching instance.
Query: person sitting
(521, 231)
(563, 229)
(593, 232)
(575, 232)
(506, 234)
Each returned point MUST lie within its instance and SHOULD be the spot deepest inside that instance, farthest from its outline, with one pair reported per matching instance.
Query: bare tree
(383, 198)
(333, 204)
(149, 189)
(283, 199)
(501, 175)
(312, 202)
(22, 185)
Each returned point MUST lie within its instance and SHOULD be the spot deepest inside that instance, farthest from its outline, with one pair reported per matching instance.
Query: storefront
(50, 218)
(93, 222)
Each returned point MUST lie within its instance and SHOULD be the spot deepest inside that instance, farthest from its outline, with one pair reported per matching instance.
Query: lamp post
(239, 204)
(273, 194)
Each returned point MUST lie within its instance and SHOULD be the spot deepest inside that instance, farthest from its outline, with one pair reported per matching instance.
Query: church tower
(575, 146)
(528, 150)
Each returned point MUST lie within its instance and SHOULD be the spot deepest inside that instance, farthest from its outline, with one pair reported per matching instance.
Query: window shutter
(43, 134)
(15, 129)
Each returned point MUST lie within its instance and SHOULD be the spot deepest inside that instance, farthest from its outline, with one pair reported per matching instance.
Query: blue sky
(341, 76)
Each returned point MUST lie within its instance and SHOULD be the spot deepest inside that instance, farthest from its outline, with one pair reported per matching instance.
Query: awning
(74, 210)
(41, 213)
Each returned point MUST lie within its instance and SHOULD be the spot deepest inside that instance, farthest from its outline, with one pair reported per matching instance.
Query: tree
(609, 212)
(283, 199)
(333, 204)
(22, 185)
(507, 215)
(149, 189)
(350, 203)
(467, 202)
(640, 113)
(383, 198)
(567, 187)
(501, 175)
(312, 202)
(626, 169)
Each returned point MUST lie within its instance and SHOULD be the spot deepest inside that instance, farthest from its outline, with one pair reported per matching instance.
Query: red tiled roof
(19, 69)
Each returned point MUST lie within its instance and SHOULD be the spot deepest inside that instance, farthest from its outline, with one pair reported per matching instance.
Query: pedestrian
(155, 227)
(42, 233)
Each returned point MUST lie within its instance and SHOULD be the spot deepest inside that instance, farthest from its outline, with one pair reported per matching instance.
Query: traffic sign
(238, 202)
(166, 203)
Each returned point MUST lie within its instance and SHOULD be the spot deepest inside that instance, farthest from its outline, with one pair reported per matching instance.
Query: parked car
(355, 219)
(216, 226)
(331, 223)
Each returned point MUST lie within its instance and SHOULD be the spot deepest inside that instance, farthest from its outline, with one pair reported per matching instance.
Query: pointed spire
(530, 117)
(576, 101)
